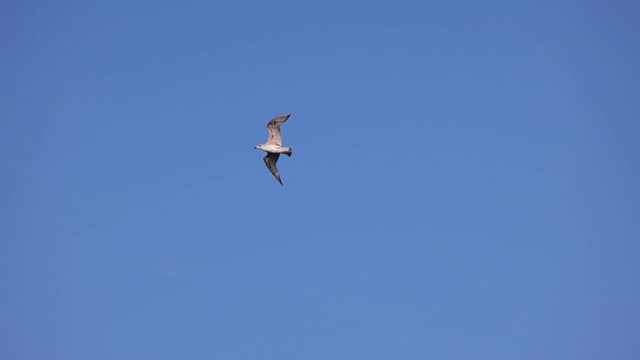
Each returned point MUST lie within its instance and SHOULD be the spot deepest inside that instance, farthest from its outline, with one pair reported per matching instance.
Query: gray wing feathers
(270, 160)
(275, 136)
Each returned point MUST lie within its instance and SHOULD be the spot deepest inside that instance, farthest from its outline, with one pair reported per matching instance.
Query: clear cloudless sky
(464, 181)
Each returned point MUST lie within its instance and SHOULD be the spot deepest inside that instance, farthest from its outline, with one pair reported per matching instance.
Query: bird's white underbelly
(273, 148)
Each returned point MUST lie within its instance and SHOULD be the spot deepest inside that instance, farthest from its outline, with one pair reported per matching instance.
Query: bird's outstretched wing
(275, 136)
(270, 160)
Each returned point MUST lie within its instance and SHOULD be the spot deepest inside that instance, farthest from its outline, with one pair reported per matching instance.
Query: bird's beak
(255, 147)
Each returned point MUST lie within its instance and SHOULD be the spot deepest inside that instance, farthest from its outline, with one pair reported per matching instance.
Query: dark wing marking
(275, 136)
(270, 160)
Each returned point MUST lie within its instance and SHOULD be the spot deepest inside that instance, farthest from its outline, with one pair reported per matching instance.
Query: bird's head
(258, 146)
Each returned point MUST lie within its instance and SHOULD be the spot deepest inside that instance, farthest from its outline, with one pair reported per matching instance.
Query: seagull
(274, 147)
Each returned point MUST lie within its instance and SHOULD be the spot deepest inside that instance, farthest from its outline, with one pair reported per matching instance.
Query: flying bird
(274, 147)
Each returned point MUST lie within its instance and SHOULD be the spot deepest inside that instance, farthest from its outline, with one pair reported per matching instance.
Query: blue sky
(464, 183)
